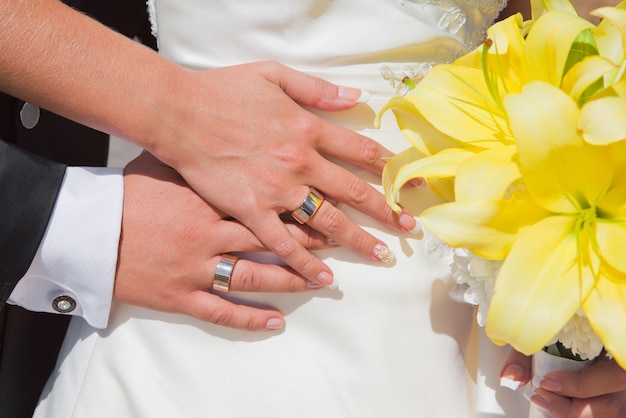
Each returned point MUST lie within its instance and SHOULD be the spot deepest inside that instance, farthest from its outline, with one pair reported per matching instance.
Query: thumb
(315, 92)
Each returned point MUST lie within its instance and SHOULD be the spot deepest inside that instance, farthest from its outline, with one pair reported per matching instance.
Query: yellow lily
(470, 92)
(573, 256)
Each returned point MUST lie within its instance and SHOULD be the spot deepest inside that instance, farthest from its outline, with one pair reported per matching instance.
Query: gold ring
(308, 208)
(223, 272)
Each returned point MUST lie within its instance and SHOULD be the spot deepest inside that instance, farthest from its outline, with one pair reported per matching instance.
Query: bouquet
(525, 139)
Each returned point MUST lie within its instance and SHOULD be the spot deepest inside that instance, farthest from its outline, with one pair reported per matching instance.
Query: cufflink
(64, 304)
(29, 115)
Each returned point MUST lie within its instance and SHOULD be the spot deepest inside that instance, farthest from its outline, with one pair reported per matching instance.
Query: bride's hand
(171, 243)
(238, 135)
(242, 139)
(597, 391)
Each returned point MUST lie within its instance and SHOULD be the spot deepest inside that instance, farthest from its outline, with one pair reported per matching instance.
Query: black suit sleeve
(28, 189)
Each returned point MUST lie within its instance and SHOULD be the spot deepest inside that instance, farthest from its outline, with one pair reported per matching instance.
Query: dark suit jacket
(29, 342)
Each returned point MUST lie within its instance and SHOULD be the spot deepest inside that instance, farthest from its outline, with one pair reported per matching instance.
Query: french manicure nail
(536, 400)
(274, 323)
(314, 285)
(355, 95)
(511, 376)
(409, 222)
(547, 384)
(509, 383)
(383, 253)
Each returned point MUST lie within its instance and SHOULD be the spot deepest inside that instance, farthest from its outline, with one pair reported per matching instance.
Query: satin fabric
(392, 341)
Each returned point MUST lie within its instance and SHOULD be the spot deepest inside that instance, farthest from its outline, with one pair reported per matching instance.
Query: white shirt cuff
(77, 257)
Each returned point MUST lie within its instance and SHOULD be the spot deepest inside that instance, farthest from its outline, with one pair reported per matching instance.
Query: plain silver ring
(223, 272)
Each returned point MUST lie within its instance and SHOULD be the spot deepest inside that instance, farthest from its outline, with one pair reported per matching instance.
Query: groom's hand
(598, 390)
(171, 243)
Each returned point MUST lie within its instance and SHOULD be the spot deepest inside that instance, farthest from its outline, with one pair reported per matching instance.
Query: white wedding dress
(392, 341)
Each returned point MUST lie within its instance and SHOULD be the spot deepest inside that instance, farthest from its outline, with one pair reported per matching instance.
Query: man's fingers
(250, 276)
(241, 239)
(212, 308)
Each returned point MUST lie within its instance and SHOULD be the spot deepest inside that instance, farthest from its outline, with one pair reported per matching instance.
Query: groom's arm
(28, 190)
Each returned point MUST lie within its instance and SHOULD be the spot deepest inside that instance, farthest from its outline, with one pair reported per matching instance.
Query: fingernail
(331, 242)
(383, 253)
(410, 223)
(511, 377)
(536, 400)
(314, 285)
(547, 384)
(327, 280)
(352, 94)
(274, 323)
(418, 183)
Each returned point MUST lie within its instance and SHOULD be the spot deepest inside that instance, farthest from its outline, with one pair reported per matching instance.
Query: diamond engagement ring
(223, 272)
(308, 208)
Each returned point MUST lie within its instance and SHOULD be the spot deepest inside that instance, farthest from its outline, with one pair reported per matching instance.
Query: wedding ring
(308, 208)
(223, 272)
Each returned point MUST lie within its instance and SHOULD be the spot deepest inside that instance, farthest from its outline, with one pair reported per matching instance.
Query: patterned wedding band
(308, 208)
(223, 272)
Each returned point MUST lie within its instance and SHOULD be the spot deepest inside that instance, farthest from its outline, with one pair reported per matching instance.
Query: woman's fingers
(516, 370)
(345, 187)
(603, 406)
(334, 224)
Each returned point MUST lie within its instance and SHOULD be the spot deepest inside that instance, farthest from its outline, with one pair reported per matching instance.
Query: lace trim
(152, 17)
(455, 15)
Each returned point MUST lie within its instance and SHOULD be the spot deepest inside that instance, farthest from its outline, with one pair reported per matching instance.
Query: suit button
(29, 115)
(64, 304)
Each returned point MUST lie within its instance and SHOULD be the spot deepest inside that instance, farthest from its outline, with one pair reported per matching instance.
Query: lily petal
(606, 310)
(611, 228)
(415, 128)
(405, 166)
(455, 93)
(548, 45)
(540, 270)
(541, 7)
(603, 121)
(488, 228)
(562, 173)
(487, 175)
(583, 74)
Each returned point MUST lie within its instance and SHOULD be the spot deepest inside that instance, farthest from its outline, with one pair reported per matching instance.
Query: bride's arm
(239, 136)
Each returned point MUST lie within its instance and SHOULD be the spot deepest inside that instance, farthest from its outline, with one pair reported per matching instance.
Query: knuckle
(370, 153)
(285, 248)
(358, 190)
(220, 316)
(306, 125)
(250, 280)
(333, 221)
(294, 156)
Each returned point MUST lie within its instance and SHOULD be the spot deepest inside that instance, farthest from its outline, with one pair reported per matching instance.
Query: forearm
(68, 63)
